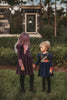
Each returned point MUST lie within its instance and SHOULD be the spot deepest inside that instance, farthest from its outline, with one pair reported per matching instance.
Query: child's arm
(38, 61)
(19, 52)
(51, 67)
(21, 65)
(50, 56)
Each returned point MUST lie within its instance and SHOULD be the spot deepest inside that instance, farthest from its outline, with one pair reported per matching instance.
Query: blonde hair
(45, 43)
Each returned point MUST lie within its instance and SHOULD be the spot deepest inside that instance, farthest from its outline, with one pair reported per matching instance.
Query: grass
(10, 87)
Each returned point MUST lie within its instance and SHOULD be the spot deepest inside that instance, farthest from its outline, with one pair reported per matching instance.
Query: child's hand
(51, 71)
(34, 65)
(22, 68)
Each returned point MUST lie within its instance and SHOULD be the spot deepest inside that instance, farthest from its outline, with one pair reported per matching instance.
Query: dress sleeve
(51, 66)
(19, 53)
(50, 56)
(51, 63)
(39, 58)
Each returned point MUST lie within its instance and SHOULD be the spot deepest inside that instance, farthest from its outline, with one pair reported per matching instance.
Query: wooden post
(22, 2)
(40, 2)
(55, 18)
(40, 18)
(48, 15)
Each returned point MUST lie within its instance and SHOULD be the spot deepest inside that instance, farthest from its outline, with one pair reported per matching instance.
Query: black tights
(48, 82)
(22, 77)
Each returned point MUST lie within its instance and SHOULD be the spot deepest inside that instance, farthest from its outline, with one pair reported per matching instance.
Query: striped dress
(26, 60)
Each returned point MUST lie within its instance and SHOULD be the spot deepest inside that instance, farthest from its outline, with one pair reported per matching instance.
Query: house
(4, 18)
(30, 12)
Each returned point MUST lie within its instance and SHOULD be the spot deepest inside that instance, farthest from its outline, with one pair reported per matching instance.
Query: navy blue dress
(45, 61)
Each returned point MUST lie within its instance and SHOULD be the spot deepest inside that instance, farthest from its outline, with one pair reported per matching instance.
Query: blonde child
(45, 68)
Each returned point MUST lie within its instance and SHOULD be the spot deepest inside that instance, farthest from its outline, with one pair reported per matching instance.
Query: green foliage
(47, 31)
(60, 12)
(36, 41)
(64, 21)
(60, 55)
(8, 56)
(12, 2)
(10, 42)
(58, 48)
(10, 87)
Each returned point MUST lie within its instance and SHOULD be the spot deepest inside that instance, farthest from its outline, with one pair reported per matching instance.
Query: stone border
(17, 35)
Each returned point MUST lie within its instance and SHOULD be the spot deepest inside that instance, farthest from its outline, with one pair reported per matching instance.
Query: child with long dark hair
(25, 62)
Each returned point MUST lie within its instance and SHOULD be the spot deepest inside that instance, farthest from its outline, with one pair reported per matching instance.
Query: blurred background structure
(39, 14)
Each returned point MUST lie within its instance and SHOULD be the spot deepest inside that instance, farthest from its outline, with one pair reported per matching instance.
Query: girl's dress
(26, 60)
(45, 64)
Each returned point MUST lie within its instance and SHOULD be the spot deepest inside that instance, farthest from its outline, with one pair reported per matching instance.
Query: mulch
(55, 68)
(8, 67)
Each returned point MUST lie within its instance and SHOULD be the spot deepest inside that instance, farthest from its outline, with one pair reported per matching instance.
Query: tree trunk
(48, 15)
(40, 2)
(55, 18)
(66, 10)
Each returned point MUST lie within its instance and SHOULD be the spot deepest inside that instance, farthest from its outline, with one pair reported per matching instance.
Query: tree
(55, 20)
(60, 12)
(48, 3)
(65, 2)
(12, 2)
(55, 33)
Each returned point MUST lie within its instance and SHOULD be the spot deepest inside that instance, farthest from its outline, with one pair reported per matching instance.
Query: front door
(31, 23)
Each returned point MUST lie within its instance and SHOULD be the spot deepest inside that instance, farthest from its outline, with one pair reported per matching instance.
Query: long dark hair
(23, 39)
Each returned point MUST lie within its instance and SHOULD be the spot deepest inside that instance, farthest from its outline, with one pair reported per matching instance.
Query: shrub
(8, 56)
(47, 31)
(8, 42)
(60, 55)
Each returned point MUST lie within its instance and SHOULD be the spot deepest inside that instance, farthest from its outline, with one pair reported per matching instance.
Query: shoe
(32, 90)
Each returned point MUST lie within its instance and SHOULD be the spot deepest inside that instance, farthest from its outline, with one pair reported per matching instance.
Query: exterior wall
(4, 20)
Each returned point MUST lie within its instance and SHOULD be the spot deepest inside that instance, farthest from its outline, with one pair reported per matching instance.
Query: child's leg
(49, 84)
(22, 82)
(43, 83)
(31, 81)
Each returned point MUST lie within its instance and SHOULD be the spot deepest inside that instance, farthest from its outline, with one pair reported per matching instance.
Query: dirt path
(63, 68)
